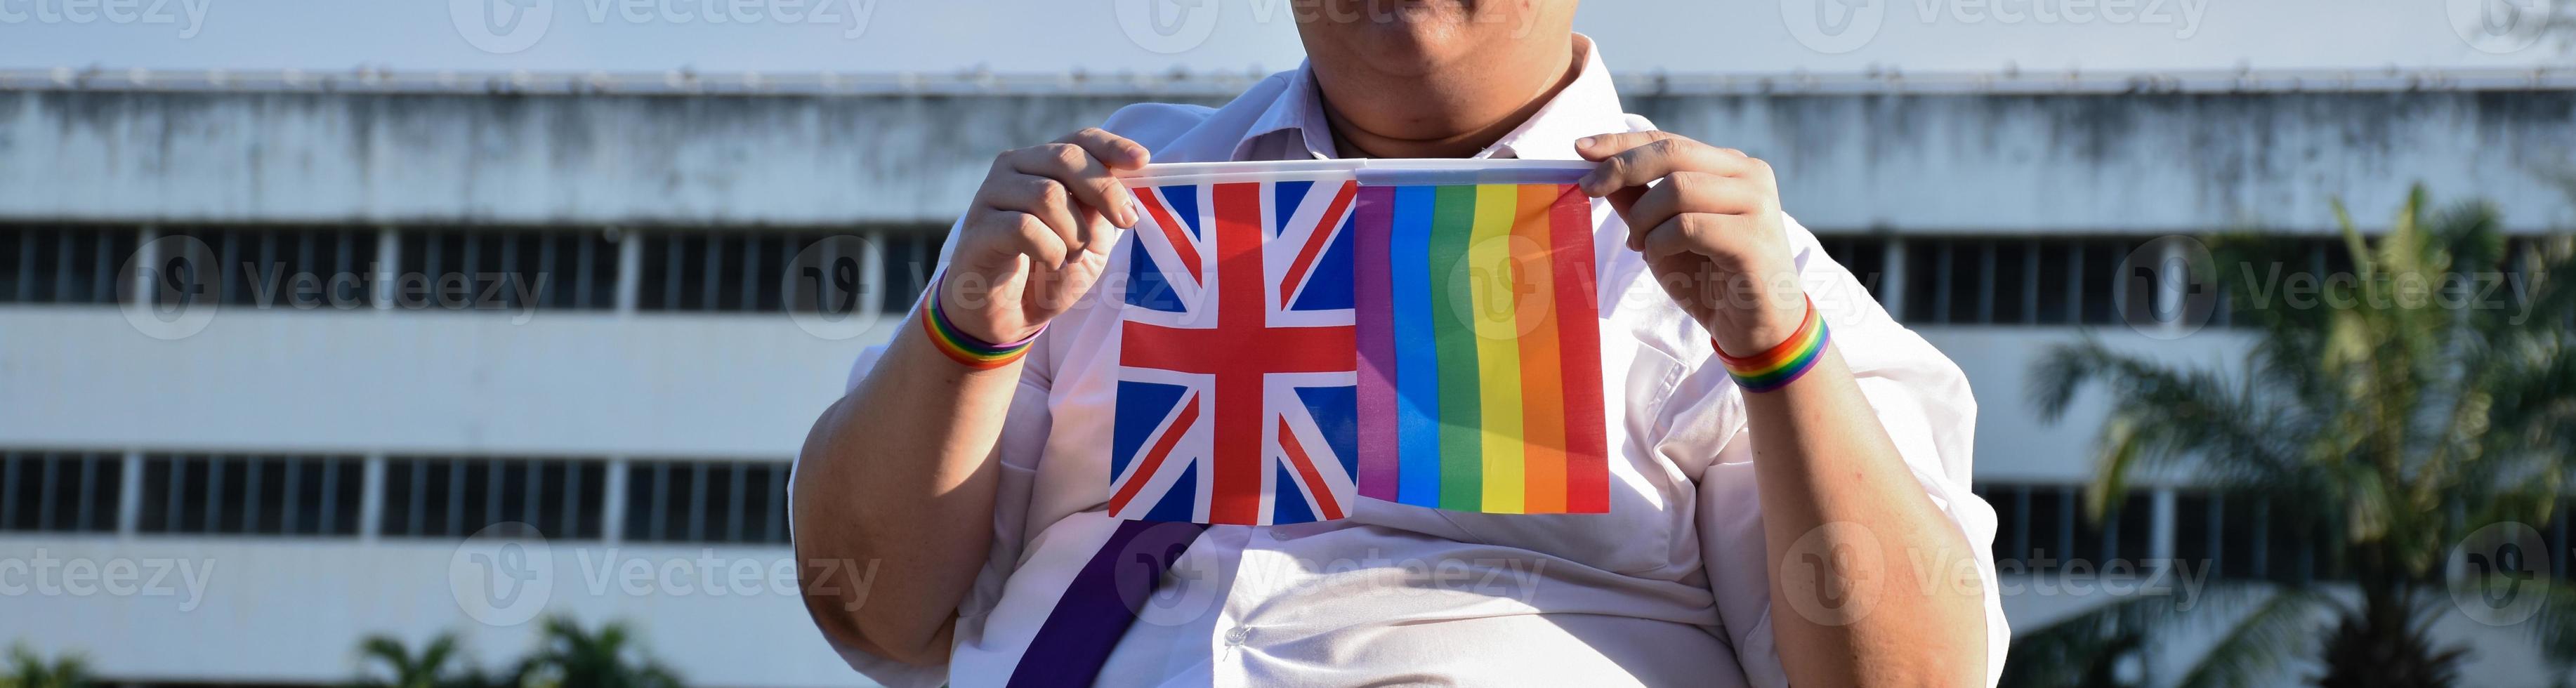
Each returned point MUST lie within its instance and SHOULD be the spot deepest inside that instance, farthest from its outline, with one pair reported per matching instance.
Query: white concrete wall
(2013, 444)
(593, 383)
(294, 610)
(2010, 163)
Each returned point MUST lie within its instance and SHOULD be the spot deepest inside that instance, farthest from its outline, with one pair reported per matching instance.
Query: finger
(1034, 238)
(1082, 176)
(1692, 192)
(1110, 149)
(1099, 233)
(1043, 198)
(1692, 233)
(1113, 152)
(1653, 160)
(1598, 146)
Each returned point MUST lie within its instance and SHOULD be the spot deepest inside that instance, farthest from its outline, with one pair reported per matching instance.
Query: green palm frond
(30, 670)
(2259, 645)
(436, 665)
(574, 657)
(2395, 408)
(2162, 415)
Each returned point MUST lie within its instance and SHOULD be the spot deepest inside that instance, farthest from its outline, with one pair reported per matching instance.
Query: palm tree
(429, 668)
(2397, 419)
(576, 658)
(27, 670)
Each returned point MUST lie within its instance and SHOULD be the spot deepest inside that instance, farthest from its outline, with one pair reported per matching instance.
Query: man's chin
(1418, 49)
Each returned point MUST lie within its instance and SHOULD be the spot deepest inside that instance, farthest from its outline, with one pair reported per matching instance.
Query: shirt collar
(1589, 105)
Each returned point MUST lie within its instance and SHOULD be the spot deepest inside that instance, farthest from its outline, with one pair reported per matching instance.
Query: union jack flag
(1237, 388)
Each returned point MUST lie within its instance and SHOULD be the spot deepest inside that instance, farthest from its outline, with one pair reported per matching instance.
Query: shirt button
(1236, 635)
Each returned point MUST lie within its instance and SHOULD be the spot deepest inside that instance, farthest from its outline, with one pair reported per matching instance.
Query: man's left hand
(1710, 228)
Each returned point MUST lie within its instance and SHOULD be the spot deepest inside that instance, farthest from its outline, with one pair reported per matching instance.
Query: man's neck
(1442, 118)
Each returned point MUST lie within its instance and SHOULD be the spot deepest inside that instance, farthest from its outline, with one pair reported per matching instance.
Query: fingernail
(1127, 216)
(1585, 142)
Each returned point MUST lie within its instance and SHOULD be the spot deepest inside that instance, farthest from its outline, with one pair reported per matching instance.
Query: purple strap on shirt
(1101, 603)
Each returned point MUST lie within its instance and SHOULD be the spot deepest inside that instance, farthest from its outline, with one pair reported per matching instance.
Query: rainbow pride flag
(1479, 348)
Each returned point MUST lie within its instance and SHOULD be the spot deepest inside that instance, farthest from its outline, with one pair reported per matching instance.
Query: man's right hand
(1039, 234)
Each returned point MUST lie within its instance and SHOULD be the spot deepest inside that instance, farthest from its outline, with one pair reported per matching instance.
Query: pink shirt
(1668, 588)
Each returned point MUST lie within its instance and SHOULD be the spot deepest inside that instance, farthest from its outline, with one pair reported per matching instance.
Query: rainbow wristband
(964, 348)
(1782, 364)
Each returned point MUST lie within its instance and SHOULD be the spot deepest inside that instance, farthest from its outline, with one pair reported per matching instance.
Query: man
(1820, 533)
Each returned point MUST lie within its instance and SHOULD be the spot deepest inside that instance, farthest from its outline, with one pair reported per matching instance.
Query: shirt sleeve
(1923, 401)
(1023, 436)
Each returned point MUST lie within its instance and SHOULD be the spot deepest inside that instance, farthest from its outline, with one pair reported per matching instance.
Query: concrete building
(581, 302)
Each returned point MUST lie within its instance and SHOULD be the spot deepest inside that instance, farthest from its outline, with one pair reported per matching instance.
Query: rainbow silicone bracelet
(964, 348)
(1782, 364)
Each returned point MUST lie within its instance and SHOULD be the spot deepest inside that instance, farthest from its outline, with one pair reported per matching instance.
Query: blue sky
(1746, 36)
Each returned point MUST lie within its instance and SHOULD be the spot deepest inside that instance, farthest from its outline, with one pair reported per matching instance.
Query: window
(302, 268)
(2258, 537)
(2037, 526)
(721, 270)
(2196, 530)
(909, 261)
(457, 497)
(739, 270)
(250, 495)
(2129, 530)
(2011, 538)
(1925, 292)
(2023, 281)
(2103, 280)
(505, 269)
(1966, 281)
(62, 264)
(2299, 273)
(60, 492)
(2241, 538)
(1864, 256)
(2016, 285)
(2056, 281)
(706, 501)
